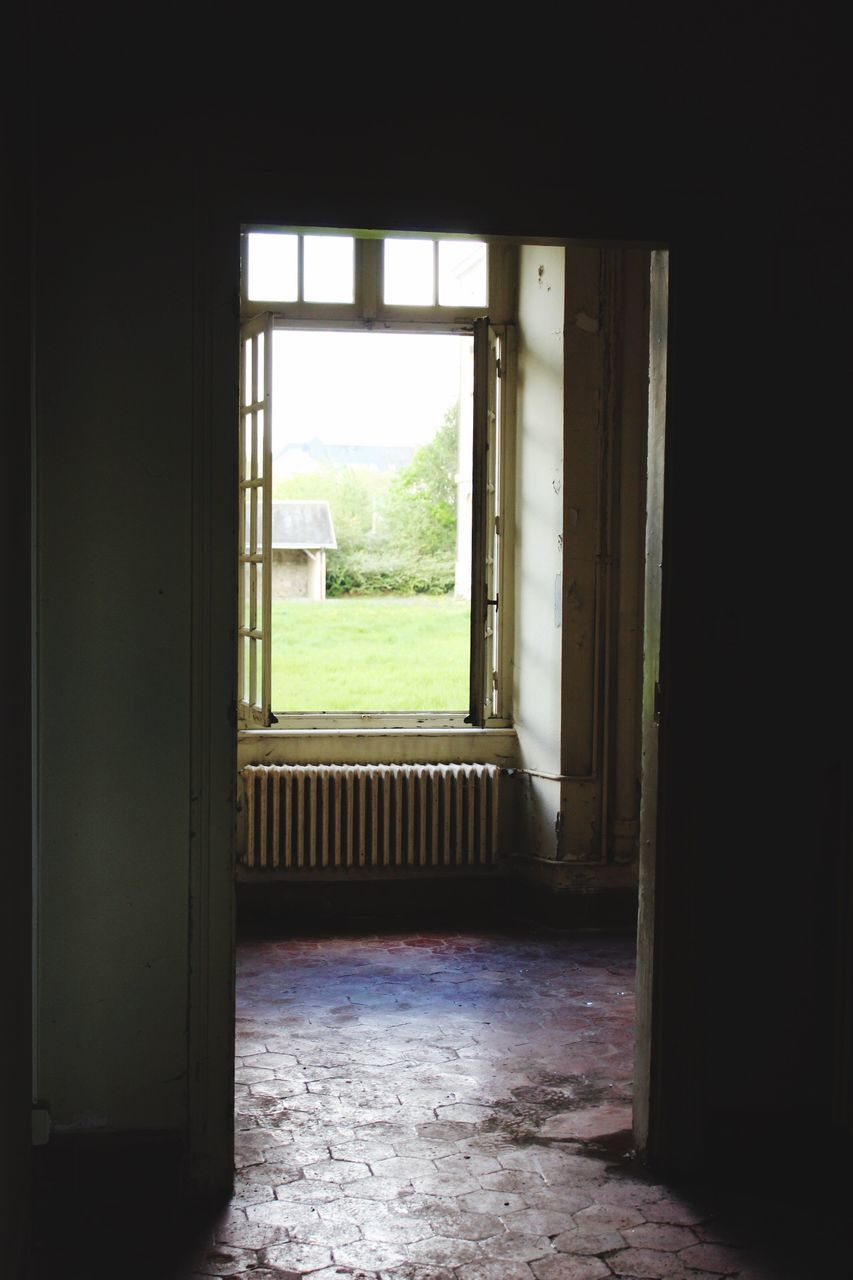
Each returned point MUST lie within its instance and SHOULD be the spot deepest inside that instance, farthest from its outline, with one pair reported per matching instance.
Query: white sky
(362, 388)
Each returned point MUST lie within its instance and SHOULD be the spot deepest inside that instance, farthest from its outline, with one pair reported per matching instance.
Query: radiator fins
(370, 817)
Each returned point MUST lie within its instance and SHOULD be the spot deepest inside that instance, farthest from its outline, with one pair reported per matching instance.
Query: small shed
(302, 533)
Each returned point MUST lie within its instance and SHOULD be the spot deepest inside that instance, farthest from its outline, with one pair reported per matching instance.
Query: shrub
(367, 573)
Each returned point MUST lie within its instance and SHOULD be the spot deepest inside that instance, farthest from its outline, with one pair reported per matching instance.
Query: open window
(375, 424)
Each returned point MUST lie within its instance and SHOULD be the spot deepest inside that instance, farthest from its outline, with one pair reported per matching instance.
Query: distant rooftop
(302, 526)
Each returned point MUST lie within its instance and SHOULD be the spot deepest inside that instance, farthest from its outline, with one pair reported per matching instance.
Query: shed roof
(302, 525)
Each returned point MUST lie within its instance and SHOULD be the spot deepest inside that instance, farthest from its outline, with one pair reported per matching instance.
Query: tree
(418, 516)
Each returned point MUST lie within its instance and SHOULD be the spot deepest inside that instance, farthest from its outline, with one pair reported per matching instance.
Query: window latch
(494, 602)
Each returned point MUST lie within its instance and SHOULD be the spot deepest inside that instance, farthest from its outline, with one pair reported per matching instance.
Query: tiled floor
(454, 1106)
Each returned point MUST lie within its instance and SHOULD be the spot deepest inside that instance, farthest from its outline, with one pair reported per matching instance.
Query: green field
(371, 653)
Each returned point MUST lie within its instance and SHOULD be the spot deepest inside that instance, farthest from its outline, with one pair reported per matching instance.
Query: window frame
(489, 326)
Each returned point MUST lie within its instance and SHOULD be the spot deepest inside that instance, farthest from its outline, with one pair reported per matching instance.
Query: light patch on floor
(447, 1105)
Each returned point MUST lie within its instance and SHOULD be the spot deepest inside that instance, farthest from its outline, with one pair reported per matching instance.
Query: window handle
(494, 602)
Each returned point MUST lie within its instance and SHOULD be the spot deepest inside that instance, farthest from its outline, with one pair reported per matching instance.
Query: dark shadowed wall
(757, 712)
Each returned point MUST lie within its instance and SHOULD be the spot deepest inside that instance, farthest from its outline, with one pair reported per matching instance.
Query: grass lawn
(370, 653)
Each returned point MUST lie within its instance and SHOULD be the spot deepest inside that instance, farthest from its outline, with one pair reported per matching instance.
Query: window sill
(378, 745)
(375, 726)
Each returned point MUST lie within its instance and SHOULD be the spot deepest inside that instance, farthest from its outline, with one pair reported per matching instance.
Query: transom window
(364, 275)
(374, 440)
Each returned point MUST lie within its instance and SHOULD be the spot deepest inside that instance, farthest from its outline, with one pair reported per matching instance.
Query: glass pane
(247, 372)
(462, 273)
(260, 442)
(273, 271)
(253, 595)
(244, 693)
(245, 521)
(328, 268)
(253, 520)
(408, 272)
(244, 620)
(259, 568)
(247, 446)
(253, 456)
(253, 671)
(259, 389)
(259, 532)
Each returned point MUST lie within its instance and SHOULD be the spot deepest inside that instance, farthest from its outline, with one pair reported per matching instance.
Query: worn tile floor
(454, 1106)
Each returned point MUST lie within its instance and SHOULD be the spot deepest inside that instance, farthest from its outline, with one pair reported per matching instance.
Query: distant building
(302, 533)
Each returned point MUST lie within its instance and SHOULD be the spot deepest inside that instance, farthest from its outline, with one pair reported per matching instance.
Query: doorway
(537, 785)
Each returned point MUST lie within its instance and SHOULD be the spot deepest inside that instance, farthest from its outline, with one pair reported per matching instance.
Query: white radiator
(373, 817)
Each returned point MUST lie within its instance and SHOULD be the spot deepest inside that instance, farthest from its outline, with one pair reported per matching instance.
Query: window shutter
(490, 401)
(255, 525)
(479, 586)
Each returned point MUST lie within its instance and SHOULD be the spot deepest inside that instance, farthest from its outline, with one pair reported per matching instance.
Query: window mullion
(368, 277)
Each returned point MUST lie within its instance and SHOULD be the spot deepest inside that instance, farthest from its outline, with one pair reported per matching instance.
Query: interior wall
(16, 894)
(758, 699)
(538, 532)
(114, 349)
(626, 539)
(581, 457)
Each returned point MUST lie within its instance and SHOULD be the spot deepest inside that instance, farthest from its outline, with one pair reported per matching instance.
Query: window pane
(253, 671)
(253, 595)
(245, 690)
(247, 446)
(245, 620)
(253, 521)
(462, 273)
(247, 372)
(328, 268)
(259, 390)
(409, 272)
(272, 267)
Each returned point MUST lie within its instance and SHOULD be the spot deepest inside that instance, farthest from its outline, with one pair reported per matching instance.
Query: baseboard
(313, 905)
(462, 902)
(609, 909)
